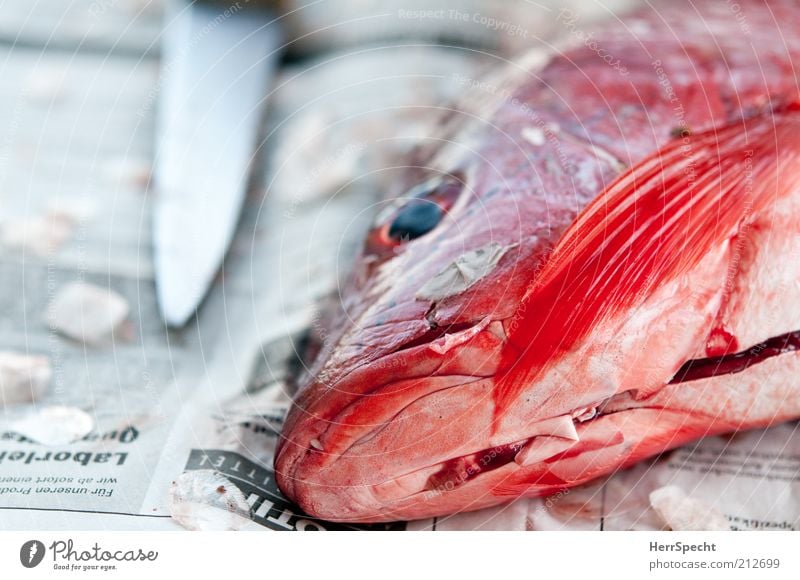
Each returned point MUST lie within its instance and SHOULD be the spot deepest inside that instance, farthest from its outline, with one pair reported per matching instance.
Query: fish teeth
(540, 448)
(562, 426)
(551, 436)
(585, 414)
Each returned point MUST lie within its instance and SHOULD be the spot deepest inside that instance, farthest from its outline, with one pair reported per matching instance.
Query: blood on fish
(721, 342)
(738, 362)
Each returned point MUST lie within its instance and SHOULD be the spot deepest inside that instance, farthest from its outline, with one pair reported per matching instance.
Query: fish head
(510, 330)
(400, 403)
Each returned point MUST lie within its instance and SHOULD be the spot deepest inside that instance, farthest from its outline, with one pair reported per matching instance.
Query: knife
(216, 65)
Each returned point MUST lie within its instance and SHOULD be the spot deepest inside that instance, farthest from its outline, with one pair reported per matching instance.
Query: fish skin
(391, 414)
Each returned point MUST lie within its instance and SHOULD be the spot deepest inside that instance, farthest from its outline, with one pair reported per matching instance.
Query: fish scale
(613, 278)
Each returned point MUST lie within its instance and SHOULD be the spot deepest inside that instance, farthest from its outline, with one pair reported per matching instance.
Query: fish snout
(379, 448)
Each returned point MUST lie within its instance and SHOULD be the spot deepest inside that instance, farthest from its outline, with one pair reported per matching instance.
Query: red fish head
(480, 356)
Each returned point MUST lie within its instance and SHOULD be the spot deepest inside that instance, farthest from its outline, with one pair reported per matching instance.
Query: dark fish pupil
(414, 220)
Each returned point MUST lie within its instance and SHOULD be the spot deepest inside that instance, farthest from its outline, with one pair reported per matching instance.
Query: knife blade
(216, 66)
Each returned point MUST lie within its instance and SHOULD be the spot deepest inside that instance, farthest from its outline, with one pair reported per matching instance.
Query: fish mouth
(561, 444)
(348, 483)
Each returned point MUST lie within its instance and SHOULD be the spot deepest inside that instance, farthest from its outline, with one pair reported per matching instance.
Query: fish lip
(361, 503)
(298, 467)
(304, 425)
(325, 500)
(306, 422)
(335, 498)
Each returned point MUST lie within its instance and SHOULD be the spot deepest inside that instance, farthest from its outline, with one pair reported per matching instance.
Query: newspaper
(212, 396)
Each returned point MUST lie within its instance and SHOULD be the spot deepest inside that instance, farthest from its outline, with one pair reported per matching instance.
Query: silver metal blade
(215, 73)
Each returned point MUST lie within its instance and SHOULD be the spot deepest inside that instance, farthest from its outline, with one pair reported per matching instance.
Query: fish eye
(422, 209)
(415, 219)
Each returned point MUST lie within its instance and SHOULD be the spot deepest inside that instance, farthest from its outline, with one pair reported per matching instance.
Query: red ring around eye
(422, 209)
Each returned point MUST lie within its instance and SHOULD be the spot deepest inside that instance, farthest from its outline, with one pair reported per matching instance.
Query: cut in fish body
(540, 312)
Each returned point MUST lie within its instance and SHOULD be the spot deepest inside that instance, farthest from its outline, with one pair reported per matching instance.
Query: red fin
(654, 223)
